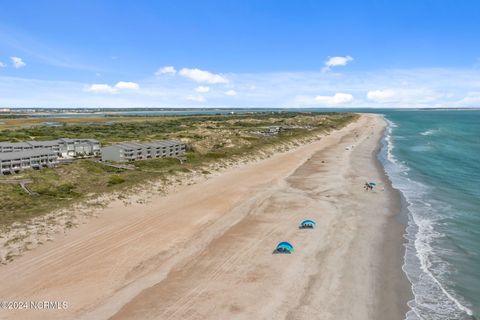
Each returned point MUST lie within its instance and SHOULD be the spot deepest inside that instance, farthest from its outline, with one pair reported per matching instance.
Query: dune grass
(210, 138)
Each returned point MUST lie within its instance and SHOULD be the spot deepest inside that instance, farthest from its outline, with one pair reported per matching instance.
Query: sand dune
(205, 252)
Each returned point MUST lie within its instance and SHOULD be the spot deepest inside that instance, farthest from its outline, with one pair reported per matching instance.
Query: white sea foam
(429, 132)
(389, 144)
(431, 299)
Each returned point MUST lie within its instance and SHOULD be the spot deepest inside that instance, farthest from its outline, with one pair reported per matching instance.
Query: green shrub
(63, 190)
(115, 179)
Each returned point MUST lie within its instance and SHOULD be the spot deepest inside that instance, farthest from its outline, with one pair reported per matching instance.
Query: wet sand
(205, 252)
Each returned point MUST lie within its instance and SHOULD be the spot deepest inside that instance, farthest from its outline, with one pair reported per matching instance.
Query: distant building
(130, 151)
(3, 110)
(75, 147)
(273, 130)
(14, 146)
(12, 162)
(65, 147)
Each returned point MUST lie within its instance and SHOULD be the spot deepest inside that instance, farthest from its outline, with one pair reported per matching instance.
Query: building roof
(14, 144)
(157, 144)
(167, 143)
(46, 143)
(128, 145)
(25, 154)
(90, 140)
(140, 145)
(78, 140)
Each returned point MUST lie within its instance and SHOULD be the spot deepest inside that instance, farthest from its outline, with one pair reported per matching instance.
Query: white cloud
(196, 98)
(231, 93)
(338, 98)
(166, 70)
(404, 96)
(203, 76)
(381, 95)
(396, 88)
(100, 88)
(17, 62)
(202, 89)
(336, 61)
(2, 65)
(126, 85)
(105, 88)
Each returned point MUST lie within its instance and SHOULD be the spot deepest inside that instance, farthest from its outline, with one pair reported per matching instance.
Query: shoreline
(432, 295)
(395, 229)
(217, 237)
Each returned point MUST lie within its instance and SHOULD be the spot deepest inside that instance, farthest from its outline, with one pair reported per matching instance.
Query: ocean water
(433, 158)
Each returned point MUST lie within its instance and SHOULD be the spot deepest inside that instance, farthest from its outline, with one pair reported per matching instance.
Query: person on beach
(368, 186)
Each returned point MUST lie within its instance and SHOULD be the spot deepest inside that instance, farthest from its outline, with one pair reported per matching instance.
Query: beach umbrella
(372, 183)
(308, 223)
(286, 246)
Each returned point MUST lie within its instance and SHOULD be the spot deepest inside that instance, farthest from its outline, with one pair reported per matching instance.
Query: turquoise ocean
(433, 159)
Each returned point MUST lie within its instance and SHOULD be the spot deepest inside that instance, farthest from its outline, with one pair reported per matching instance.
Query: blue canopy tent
(307, 224)
(284, 247)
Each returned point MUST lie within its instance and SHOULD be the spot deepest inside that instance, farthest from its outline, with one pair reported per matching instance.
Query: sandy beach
(205, 252)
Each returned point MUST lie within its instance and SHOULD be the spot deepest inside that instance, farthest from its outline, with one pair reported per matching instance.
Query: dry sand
(205, 252)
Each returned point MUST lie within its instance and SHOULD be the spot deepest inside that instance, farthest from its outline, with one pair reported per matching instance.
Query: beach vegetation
(212, 139)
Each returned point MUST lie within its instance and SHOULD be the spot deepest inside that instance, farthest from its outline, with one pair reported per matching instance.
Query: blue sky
(240, 53)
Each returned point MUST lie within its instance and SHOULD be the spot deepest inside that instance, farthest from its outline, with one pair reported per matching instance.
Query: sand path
(206, 251)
